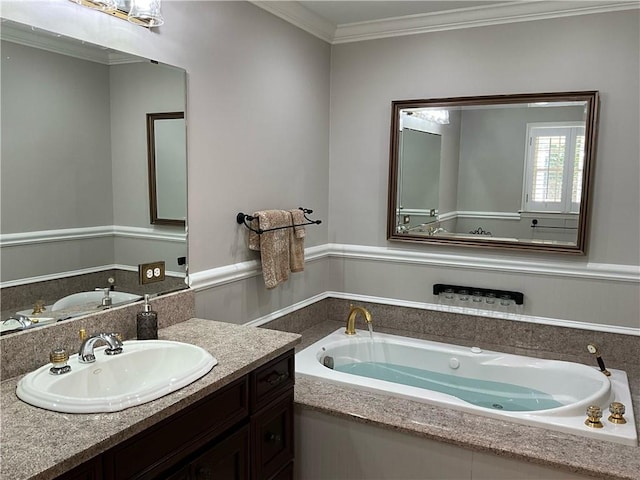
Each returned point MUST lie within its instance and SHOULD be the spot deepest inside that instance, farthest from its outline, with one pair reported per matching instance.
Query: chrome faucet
(106, 300)
(86, 355)
(351, 321)
(23, 320)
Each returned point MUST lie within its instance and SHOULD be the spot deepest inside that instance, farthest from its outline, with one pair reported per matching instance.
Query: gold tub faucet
(351, 321)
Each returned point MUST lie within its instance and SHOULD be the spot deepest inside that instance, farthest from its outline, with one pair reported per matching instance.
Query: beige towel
(273, 246)
(296, 241)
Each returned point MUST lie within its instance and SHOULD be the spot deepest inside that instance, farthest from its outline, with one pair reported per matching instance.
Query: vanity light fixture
(146, 13)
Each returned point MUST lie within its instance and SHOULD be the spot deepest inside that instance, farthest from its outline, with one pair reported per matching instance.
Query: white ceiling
(352, 21)
(343, 12)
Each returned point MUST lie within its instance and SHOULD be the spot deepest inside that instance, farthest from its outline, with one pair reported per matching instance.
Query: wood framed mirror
(502, 171)
(166, 147)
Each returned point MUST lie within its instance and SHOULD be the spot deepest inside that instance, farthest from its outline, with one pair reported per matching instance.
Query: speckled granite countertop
(572, 453)
(39, 444)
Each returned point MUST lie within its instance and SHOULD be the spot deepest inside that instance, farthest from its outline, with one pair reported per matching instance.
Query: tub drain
(497, 406)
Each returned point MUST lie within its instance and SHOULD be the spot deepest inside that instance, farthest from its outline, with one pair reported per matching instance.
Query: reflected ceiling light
(440, 117)
(149, 12)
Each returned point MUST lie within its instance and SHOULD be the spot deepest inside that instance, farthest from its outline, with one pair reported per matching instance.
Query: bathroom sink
(11, 324)
(144, 371)
(92, 299)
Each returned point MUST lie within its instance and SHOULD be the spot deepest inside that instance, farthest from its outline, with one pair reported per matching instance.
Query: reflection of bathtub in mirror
(489, 238)
(71, 306)
(92, 299)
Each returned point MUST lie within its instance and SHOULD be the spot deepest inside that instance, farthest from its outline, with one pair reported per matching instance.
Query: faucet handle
(59, 358)
(617, 411)
(38, 307)
(594, 414)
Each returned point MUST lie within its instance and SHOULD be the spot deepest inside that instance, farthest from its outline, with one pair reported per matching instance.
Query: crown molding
(523, 11)
(301, 17)
(56, 43)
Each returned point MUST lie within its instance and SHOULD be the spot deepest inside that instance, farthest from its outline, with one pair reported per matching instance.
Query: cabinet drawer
(270, 380)
(272, 434)
(154, 450)
(285, 474)
(228, 460)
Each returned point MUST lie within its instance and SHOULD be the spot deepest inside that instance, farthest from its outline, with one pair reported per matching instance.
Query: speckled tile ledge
(605, 460)
(38, 444)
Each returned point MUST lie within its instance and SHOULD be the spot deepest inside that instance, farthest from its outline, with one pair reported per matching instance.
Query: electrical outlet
(150, 272)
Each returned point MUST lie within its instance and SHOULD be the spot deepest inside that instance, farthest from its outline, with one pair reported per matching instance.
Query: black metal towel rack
(243, 217)
(534, 224)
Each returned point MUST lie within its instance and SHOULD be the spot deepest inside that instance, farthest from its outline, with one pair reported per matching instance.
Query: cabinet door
(227, 460)
(272, 435)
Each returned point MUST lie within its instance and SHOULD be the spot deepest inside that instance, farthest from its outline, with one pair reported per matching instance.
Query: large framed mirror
(502, 171)
(75, 207)
(167, 168)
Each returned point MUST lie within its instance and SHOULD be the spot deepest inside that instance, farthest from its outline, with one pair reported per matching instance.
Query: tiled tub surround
(540, 446)
(72, 439)
(25, 351)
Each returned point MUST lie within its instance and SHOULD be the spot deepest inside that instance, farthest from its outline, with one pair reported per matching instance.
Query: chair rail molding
(599, 271)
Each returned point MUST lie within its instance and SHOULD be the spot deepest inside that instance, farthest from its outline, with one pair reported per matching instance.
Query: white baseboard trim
(287, 310)
(215, 277)
(445, 308)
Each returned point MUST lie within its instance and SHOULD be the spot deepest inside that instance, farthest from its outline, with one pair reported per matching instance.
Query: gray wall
(492, 151)
(164, 91)
(74, 154)
(258, 137)
(588, 52)
(43, 92)
(421, 152)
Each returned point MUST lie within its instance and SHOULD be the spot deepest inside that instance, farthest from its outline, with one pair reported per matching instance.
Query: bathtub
(544, 393)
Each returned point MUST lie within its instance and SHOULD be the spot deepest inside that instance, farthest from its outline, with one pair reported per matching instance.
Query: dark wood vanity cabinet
(244, 431)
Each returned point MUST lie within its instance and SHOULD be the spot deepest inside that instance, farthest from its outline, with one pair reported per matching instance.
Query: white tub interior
(572, 387)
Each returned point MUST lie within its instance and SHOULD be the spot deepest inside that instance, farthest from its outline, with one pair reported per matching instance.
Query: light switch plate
(150, 272)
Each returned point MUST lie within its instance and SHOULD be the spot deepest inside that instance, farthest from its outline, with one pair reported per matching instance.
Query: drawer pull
(271, 437)
(275, 378)
(203, 473)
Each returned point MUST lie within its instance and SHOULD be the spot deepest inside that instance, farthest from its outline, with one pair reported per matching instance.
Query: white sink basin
(144, 371)
(92, 299)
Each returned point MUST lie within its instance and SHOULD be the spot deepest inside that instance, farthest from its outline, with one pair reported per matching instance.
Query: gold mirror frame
(591, 99)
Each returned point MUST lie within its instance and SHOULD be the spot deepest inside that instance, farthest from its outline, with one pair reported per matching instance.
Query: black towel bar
(243, 217)
(534, 224)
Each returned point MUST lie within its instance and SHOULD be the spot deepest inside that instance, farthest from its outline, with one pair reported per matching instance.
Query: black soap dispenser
(147, 322)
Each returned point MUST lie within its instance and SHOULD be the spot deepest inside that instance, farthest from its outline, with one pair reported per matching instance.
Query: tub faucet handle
(617, 411)
(594, 414)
